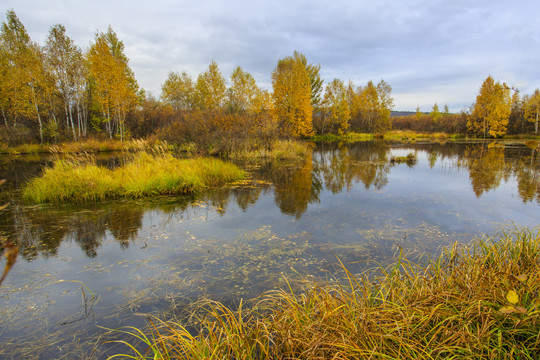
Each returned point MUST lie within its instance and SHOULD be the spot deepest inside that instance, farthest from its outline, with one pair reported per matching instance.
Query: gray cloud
(428, 50)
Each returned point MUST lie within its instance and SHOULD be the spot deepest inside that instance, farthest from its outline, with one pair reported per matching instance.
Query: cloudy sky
(429, 51)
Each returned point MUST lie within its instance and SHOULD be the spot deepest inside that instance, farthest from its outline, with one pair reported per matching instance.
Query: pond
(85, 267)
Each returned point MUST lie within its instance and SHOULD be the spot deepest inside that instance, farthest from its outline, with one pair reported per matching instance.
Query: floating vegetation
(474, 301)
(410, 159)
(82, 180)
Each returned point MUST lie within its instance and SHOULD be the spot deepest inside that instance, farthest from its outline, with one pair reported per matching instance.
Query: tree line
(498, 110)
(57, 91)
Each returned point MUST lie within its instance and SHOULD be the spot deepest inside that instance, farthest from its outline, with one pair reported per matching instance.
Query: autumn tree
(292, 96)
(114, 87)
(243, 92)
(532, 108)
(491, 109)
(315, 80)
(336, 106)
(179, 91)
(371, 108)
(67, 65)
(211, 88)
(435, 114)
(25, 85)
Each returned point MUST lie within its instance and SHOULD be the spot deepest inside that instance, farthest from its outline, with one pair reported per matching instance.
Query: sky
(429, 51)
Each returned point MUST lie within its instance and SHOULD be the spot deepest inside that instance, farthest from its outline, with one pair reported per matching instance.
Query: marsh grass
(348, 137)
(412, 136)
(79, 179)
(85, 146)
(273, 150)
(477, 301)
(410, 159)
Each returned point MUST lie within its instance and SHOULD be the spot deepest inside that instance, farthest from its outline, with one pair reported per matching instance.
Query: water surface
(108, 264)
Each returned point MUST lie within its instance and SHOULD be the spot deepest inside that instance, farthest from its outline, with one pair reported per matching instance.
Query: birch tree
(179, 91)
(337, 106)
(491, 110)
(114, 87)
(532, 108)
(211, 88)
(67, 64)
(24, 81)
(292, 96)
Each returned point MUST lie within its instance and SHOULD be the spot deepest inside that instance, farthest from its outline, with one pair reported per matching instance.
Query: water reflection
(345, 200)
(328, 167)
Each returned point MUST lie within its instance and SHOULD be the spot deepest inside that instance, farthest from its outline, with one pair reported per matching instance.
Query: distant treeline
(57, 92)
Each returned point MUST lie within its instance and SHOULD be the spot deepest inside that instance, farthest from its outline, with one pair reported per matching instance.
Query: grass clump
(410, 159)
(479, 301)
(79, 179)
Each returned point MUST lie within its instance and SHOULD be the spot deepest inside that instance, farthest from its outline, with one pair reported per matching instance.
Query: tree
(435, 113)
(446, 111)
(337, 106)
(179, 91)
(24, 82)
(491, 109)
(532, 109)
(292, 96)
(315, 81)
(242, 94)
(211, 88)
(373, 108)
(114, 87)
(66, 62)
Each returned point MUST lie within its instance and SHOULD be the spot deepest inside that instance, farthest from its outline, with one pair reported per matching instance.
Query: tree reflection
(39, 231)
(295, 187)
(365, 162)
(486, 167)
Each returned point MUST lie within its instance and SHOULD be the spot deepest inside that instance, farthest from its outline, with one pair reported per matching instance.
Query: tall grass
(83, 146)
(348, 137)
(479, 301)
(273, 150)
(80, 179)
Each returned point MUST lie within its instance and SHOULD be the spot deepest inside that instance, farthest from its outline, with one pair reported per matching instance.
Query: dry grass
(473, 302)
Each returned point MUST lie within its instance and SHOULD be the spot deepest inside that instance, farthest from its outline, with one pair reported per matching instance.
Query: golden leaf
(508, 310)
(522, 277)
(512, 297)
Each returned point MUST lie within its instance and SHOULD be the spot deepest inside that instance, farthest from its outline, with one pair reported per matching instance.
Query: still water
(81, 268)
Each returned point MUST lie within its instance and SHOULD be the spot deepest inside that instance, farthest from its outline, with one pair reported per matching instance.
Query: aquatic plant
(80, 179)
(474, 301)
(410, 159)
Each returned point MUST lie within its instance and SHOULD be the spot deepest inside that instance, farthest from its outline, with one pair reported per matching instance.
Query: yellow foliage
(292, 96)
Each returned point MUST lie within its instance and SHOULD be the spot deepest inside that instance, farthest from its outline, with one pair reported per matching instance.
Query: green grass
(479, 301)
(79, 179)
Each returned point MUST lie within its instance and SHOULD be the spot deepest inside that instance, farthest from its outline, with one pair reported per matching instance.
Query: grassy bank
(273, 150)
(349, 137)
(478, 301)
(80, 179)
(83, 146)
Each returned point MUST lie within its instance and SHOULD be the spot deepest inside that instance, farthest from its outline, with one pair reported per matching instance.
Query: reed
(79, 179)
(476, 301)
(274, 150)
